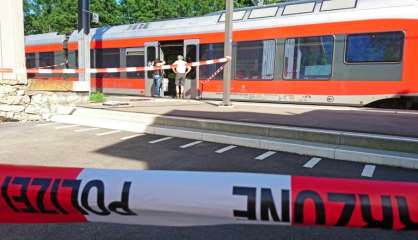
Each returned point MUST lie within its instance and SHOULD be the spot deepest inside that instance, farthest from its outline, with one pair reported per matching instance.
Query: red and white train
(347, 52)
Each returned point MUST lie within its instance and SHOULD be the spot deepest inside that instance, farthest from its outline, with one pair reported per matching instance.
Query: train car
(47, 51)
(343, 52)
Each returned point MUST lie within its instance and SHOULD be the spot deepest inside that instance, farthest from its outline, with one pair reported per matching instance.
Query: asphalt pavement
(51, 144)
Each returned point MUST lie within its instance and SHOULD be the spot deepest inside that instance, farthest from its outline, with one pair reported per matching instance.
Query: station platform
(387, 137)
(401, 123)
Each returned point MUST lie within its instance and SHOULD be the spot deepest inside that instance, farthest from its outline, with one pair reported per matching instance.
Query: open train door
(151, 53)
(191, 53)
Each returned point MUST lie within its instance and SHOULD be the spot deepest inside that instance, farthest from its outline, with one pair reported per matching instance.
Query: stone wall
(18, 103)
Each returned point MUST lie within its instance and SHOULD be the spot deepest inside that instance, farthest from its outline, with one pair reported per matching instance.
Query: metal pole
(228, 52)
(84, 42)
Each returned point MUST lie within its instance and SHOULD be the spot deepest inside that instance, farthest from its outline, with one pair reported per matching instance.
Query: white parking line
(312, 163)
(132, 136)
(225, 149)
(265, 155)
(191, 144)
(368, 171)
(108, 133)
(161, 140)
(86, 130)
(67, 127)
(46, 124)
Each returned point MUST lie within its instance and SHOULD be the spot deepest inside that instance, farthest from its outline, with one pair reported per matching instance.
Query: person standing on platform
(158, 75)
(181, 69)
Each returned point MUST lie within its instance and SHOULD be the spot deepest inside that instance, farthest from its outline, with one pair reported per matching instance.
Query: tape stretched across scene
(107, 70)
(166, 198)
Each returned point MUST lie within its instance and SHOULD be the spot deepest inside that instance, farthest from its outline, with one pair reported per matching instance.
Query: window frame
(292, 14)
(373, 62)
(127, 55)
(49, 65)
(28, 58)
(332, 60)
(117, 75)
(274, 40)
(234, 20)
(275, 15)
(321, 10)
(202, 68)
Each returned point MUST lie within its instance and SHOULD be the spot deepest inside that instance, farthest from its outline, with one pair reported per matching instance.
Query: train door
(151, 53)
(191, 53)
(170, 51)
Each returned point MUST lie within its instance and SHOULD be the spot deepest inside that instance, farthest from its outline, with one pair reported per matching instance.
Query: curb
(144, 123)
(352, 139)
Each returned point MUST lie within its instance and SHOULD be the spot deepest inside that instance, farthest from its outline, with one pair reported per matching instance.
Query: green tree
(110, 12)
(43, 16)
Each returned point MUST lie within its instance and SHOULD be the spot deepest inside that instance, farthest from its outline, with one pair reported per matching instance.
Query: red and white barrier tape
(219, 70)
(56, 65)
(57, 195)
(108, 70)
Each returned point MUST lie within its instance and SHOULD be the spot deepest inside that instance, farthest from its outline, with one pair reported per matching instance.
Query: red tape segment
(164, 198)
(107, 70)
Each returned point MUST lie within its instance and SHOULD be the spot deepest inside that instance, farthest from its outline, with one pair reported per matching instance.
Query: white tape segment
(206, 200)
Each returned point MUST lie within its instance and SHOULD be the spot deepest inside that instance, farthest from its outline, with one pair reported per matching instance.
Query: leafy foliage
(42, 16)
(97, 97)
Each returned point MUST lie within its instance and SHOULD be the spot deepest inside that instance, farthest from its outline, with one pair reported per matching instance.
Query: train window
(375, 47)
(255, 60)
(30, 60)
(263, 12)
(299, 8)
(209, 52)
(46, 59)
(308, 58)
(135, 58)
(329, 5)
(238, 15)
(191, 57)
(73, 59)
(151, 54)
(108, 58)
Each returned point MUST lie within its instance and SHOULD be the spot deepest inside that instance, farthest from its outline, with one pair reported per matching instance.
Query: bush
(97, 97)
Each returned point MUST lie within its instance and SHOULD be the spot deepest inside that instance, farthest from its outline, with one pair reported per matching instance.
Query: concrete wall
(12, 47)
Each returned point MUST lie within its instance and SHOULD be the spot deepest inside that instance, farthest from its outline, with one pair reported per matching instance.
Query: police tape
(167, 198)
(108, 70)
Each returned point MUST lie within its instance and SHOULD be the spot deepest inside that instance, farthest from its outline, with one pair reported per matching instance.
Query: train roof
(44, 39)
(282, 14)
(296, 12)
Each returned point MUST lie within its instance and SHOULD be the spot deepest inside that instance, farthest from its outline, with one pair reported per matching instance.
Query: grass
(97, 97)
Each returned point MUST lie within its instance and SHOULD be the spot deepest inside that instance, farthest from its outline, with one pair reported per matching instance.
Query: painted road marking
(225, 149)
(46, 124)
(191, 144)
(107, 133)
(368, 171)
(161, 140)
(86, 130)
(132, 136)
(312, 163)
(265, 155)
(67, 127)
